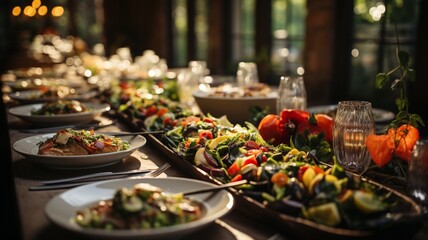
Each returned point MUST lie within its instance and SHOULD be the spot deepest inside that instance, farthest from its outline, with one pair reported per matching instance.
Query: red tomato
(209, 120)
(206, 134)
(234, 169)
(250, 160)
(270, 128)
(162, 111)
(325, 124)
(316, 124)
(167, 121)
(151, 110)
(236, 178)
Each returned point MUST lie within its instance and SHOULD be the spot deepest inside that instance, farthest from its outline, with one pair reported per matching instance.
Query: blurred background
(338, 46)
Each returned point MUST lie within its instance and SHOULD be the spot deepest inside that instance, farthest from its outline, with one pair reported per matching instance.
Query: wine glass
(353, 123)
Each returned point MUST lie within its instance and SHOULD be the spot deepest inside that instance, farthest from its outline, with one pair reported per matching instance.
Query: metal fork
(158, 171)
(152, 174)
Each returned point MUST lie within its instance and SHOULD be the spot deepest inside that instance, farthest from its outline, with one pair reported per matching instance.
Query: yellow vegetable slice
(367, 202)
(326, 214)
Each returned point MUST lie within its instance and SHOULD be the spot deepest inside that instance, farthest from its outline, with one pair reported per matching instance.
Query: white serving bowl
(237, 109)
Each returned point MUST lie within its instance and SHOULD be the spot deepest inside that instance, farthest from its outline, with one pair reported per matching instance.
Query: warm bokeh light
(16, 11)
(42, 10)
(36, 3)
(57, 11)
(355, 52)
(29, 11)
(300, 70)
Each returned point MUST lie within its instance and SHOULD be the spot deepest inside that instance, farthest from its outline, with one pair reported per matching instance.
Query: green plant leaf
(403, 58)
(381, 80)
(401, 104)
(416, 120)
(397, 84)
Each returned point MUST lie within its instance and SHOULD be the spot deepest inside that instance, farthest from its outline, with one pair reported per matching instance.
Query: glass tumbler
(353, 123)
(417, 176)
(247, 74)
(291, 94)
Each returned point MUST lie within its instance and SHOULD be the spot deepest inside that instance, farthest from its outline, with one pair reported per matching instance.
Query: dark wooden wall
(139, 25)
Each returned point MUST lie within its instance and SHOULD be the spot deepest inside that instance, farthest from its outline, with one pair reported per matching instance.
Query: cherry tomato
(279, 179)
(150, 110)
(206, 134)
(161, 111)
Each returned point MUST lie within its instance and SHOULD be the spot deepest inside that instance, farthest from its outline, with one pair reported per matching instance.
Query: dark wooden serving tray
(299, 228)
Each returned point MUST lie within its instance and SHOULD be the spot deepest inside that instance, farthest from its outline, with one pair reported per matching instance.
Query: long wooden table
(34, 224)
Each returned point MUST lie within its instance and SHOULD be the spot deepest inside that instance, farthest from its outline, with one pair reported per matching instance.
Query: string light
(57, 11)
(36, 7)
(42, 10)
(16, 11)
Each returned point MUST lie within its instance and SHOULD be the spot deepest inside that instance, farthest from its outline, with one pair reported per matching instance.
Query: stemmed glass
(353, 123)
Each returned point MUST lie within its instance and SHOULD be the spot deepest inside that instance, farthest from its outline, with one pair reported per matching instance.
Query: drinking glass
(291, 94)
(417, 177)
(352, 124)
(187, 83)
(247, 74)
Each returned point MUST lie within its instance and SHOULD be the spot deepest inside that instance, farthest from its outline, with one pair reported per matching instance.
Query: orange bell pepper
(398, 142)
(381, 148)
(405, 137)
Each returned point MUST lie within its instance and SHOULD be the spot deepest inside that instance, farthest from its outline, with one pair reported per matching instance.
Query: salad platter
(402, 220)
(296, 187)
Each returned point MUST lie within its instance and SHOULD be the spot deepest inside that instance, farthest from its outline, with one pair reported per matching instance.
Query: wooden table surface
(35, 225)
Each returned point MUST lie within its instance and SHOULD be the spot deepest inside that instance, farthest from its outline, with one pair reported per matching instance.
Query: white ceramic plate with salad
(61, 210)
(29, 148)
(36, 96)
(24, 112)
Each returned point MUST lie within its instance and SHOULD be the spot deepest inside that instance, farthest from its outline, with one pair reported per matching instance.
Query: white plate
(34, 84)
(61, 210)
(24, 112)
(29, 148)
(379, 115)
(33, 96)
